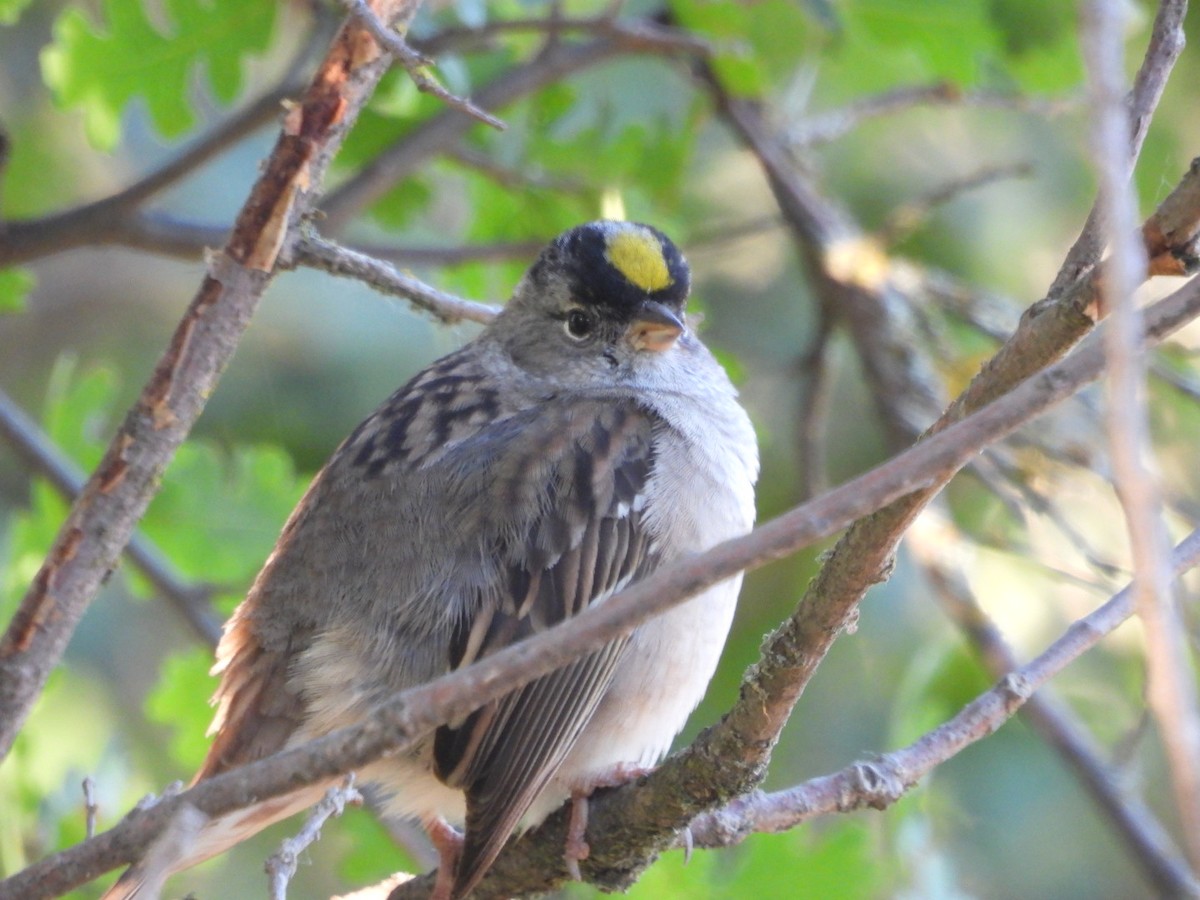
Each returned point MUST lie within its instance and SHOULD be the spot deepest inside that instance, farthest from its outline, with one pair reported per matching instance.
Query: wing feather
(588, 539)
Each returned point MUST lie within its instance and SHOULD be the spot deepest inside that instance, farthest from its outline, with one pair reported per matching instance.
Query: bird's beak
(654, 328)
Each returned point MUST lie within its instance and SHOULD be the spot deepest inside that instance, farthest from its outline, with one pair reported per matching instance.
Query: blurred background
(975, 185)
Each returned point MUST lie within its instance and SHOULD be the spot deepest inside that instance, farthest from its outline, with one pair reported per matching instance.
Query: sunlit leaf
(233, 508)
(178, 701)
(371, 855)
(101, 67)
(940, 680)
(15, 285)
(10, 10)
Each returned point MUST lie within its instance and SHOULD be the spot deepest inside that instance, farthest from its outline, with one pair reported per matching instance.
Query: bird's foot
(577, 848)
(448, 843)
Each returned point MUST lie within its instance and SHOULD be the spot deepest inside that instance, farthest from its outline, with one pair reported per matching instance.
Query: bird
(583, 439)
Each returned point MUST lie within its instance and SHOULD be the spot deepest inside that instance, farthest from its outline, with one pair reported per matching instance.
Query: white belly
(662, 678)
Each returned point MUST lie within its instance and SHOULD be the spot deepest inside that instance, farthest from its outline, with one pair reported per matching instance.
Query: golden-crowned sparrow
(585, 438)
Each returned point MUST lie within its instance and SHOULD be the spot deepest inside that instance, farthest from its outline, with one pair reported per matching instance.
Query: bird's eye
(579, 324)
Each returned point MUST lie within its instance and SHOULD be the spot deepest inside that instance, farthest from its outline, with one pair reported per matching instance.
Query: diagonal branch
(25, 240)
(318, 253)
(1166, 43)
(415, 64)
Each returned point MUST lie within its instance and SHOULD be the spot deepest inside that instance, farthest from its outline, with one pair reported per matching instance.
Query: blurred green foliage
(129, 706)
(101, 70)
(15, 285)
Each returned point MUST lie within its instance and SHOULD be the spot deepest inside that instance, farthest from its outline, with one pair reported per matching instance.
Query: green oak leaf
(101, 69)
(10, 11)
(15, 285)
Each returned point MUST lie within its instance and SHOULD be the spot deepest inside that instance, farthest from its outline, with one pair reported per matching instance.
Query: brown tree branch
(415, 64)
(1171, 685)
(1172, 233)
(1166, 43)
(40, 454)
(318, 253)
(104, 517)
(94, 223)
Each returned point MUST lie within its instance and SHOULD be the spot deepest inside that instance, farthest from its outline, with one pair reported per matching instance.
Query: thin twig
(719, 235)
(1166, 43)
(811, 373)
(1171, 686)
(89, 806)
(95, 223)
(446, 257)
(988, 313)
(281, 865)
(1149, 843)
(910, 215)
(318, 253)
(510, 177)
(823, 127)
(192, 601)
(645, 34)
(416, 65)
(167, 235)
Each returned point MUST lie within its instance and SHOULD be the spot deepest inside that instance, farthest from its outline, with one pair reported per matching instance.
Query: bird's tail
(191, 838)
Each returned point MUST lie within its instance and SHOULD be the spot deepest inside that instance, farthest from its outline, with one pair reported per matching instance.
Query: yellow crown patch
(638, 255)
